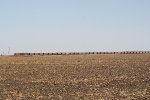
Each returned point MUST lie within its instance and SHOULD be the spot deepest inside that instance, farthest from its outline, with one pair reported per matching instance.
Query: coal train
(80, 53)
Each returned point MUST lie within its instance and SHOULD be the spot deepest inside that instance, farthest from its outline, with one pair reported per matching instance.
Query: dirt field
(76, 77)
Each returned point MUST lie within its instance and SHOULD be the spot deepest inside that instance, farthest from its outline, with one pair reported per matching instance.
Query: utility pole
(8, 50)
(1, 53)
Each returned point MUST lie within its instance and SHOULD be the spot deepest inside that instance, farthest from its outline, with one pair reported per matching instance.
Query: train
(80, 53)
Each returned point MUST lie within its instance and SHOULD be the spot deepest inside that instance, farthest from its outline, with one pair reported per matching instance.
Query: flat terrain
(75, 77)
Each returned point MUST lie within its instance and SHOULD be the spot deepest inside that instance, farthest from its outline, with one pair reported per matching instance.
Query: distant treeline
(82, 53)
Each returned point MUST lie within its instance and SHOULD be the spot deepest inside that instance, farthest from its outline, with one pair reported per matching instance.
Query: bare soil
(75, 77)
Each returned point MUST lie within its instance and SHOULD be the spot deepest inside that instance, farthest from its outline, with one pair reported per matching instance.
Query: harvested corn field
(75, 77)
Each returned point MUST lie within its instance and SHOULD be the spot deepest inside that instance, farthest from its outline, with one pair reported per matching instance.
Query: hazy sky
(74, 25)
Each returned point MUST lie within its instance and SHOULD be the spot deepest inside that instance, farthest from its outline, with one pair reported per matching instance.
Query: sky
(74, 25)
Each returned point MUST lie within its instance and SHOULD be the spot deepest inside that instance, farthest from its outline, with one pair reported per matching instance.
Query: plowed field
(75, 77)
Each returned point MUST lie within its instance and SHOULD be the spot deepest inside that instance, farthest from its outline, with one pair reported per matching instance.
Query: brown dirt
(76, 77)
